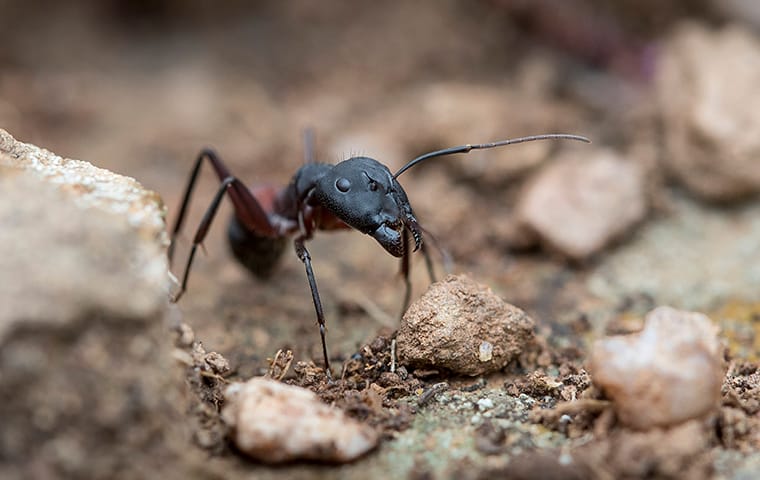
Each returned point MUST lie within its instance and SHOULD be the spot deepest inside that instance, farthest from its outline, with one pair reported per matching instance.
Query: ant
(359, 193)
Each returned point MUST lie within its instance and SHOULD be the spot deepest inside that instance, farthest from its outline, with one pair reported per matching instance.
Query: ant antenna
(479, 146)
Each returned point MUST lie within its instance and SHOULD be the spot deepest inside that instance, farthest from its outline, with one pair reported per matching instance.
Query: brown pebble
(449, 325)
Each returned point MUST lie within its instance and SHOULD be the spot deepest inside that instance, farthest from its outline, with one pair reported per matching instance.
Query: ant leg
(202, 230)
(405, 268)
(304, 256)
(247, 208)
(445, 256)
(428, 262)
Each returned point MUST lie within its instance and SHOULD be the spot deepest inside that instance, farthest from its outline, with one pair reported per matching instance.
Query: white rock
(584, 200)
(75, 239)
(666, 374)
(709, 110)
(485, 352)
(89, 186)
(85, 366)
(273, 422)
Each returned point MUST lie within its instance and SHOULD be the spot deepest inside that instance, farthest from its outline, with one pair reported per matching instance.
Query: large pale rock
(273, 423)
(666, 374)
(84, 354)
(75, 237)
(462, 326)
(583, 201)
(707, 88)
(90, 187)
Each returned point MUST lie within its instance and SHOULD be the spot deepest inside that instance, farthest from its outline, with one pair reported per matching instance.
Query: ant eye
(343, 184)
(373, 185)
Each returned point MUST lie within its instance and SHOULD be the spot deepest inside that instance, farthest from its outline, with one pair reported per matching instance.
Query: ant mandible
(359, 193)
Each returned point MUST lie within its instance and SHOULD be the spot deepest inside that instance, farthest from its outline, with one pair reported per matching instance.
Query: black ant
(359, 193)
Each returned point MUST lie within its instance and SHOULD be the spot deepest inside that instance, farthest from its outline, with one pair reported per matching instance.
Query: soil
(141, 87)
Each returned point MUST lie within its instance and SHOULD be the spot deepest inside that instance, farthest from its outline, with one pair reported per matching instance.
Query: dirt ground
(140, 87)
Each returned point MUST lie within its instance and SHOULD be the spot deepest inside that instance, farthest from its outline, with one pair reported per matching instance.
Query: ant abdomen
(259, 254)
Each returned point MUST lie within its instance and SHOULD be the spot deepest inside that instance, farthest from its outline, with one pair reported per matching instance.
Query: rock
(711, 129)
(464, 327)
(583, 201)
(273, 423)
(84, 354)
(91, 239)
(681, 451)
(668, 373)
(90, 186)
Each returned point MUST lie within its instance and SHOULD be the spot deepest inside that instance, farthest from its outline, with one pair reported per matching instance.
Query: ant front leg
(405, 267)
(304, 256)
(247, 210)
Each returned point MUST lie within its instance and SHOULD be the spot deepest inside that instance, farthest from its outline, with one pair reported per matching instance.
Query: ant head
(363, 193)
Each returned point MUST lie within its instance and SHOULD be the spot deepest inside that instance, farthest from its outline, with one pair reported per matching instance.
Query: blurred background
(139, 87)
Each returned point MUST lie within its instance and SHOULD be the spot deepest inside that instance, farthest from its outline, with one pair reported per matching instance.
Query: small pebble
(583, 201)
(185, 335)
(217, 363)
(485, 404)
(668, 373)
(274, 423)
(486, 352)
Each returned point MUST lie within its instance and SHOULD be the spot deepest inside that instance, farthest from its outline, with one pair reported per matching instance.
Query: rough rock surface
(583, 201)
(82, 289)
(709, 110)
(89, 236)
(666, 374)
(462, 326)
(89, 186)
(273, 423)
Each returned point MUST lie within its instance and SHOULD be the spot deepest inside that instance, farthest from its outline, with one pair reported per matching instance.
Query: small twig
(272, 363)
(575, 407)
(284, 369)
(206, 373)
(582, 405)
